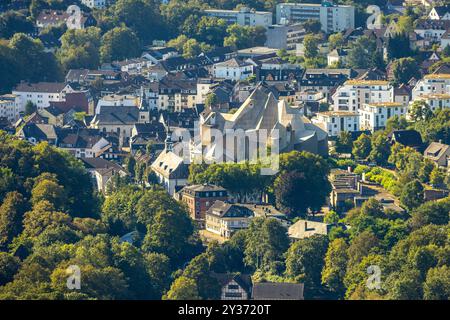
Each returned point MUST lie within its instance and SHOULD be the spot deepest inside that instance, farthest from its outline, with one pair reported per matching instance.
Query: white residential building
(203, 89)
(171, 171)
(134, 66)
(224, 219)
(432, 84)
(337, 56)
(40, 94)
(373, 116)
(431, 31)
(233, 69)
(334, 122)
(9, 107)
(334, 18)
(96, 4)
(116, 100)
(354, 93)
(436, 100)
(84, 147)
(244, 17)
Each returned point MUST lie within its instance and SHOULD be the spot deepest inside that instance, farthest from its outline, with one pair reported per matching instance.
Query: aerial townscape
(224, 150)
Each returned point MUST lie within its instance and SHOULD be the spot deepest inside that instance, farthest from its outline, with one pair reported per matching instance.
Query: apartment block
(354, 93)
(432, 84)
(436, 101)
(40, 94)
(334, 18)
(373, 116)
(284, 36)
(334, 122)
(244, 16)
(9, 107)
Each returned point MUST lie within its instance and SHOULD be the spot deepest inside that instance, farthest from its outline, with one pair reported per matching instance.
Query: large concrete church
(262, 113)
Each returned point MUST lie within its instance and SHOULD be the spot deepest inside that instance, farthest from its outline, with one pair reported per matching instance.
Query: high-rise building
(333, 18)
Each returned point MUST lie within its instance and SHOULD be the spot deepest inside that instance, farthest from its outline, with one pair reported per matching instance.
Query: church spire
(169, 143)
(143, 106)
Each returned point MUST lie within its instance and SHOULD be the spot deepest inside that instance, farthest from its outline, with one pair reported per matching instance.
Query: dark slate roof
(219, 53)
(244, 280)
(152, 128)
(228, 210)
(427, 24)
(184, 119)
(326, 77)
(99, 163)
(180, 63)
(409, 138)
(373, 74)
(35, 117)
(403, 90)
(78, 138)
(54, 111)
(40, 131)
(117, 115)
(202, 188)
(278, 291)
(442, 10)
(356, 134)
(48, 87)
(169, 84)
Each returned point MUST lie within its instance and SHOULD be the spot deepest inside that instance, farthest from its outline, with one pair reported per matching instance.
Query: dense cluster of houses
(133, 107)
(102, 116)
(125, 106)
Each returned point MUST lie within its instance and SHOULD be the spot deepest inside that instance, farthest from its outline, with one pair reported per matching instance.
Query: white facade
(232, 71)
(430, 33)
(374, 116)
(354, 93)
(333, 18)
(135, 66)
(9, 107)
(97, 4)
(93, 152)
(233, 291)
(335, 122)
(116, 100)
(432, 84)
(436, 101)
(225, 227)
(40, 98)
(243, 17)
(203, 89)
(169, 169)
